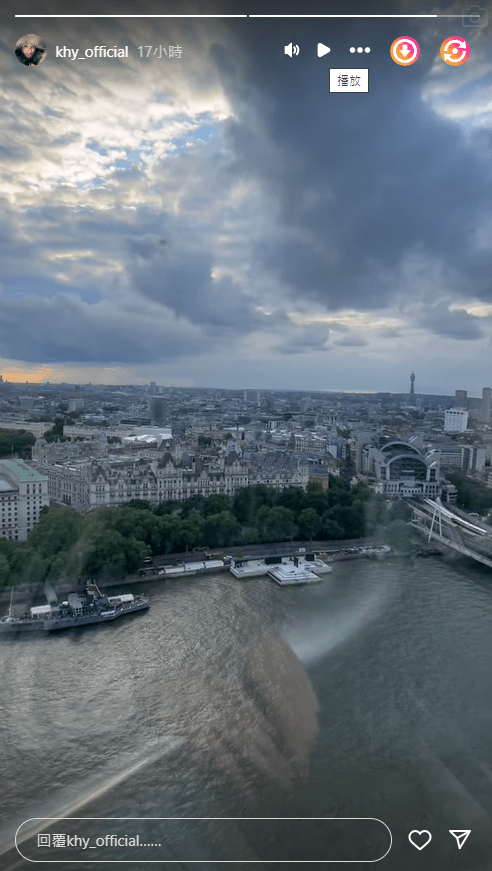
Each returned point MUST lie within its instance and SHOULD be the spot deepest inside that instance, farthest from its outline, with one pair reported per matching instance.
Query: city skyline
(219, 219)
(148, 394)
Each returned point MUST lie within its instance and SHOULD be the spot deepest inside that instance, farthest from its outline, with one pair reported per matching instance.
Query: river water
(368, 695)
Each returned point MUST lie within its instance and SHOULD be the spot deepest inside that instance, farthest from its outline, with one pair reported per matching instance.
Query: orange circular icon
(455, 51)
(405, 50)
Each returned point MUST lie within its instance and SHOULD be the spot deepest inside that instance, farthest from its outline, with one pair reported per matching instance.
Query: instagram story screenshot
(246, 435)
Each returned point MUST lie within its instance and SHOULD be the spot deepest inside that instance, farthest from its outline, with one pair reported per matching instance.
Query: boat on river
(80, 609)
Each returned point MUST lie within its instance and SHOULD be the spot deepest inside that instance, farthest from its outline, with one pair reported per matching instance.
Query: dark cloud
(66, 329)
(456, 324)
(302, 340)
(358, 179)
(179, 276)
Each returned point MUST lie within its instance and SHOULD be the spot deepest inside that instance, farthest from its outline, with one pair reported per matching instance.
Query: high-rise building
(158, 408)
(455, 419)
(485, 407)
(304, 404)
(75, 404)
(252, 396)
(460, 399)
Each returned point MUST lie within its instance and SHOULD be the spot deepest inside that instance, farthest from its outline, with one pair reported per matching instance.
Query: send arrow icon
(460, 835)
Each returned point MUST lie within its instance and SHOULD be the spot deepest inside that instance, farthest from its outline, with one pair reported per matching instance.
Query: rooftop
(23, 472)
(5, 485)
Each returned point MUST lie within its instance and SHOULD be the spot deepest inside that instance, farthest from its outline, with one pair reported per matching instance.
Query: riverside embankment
(334, 551)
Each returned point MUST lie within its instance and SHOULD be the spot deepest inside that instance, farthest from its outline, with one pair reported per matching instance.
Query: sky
(220, 219)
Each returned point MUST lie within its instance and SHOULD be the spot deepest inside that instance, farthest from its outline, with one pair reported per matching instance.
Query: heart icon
(424, 837)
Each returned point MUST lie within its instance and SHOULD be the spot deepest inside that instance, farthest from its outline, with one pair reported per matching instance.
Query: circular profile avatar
(30, 49)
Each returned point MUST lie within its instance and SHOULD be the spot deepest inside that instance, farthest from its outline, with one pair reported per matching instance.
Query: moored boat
(80, 609)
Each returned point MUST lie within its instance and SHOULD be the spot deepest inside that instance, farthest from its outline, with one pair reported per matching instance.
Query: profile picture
(30, 49)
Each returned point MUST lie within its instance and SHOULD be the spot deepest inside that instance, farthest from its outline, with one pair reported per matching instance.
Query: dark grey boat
(80, 609)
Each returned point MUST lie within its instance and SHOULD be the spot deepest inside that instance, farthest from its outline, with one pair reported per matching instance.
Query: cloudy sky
(221, 219)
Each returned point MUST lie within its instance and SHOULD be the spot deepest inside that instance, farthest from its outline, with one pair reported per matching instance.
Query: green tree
(216, 504)
(56, 431)
(330, 527)
(351, 520)
(18, 557)
(5, 571)
(58, 529)
(338, 492)
(293, 498)
(248, 500)
(309, 523)
(192, 530)
(472, 495)
(361, 492)
(59, 566)
(170, 533)
(276, 524)
(317, 498)
(17, 442)
(171, 507)
(250, 536)
(33, 565)
(143, 525)
(138, 504)
(109, 554)
(194, 503)
(222, 529)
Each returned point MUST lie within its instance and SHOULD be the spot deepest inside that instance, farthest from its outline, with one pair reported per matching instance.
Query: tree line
(114, 542)
(472, 495)
(16, 442)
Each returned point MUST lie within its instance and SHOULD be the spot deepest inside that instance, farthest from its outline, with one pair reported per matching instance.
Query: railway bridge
(453, 528)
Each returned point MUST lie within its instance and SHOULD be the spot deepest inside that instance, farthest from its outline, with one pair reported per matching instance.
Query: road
(284, 547)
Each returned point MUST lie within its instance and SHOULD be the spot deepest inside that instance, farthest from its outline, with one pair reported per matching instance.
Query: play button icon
(322, 49)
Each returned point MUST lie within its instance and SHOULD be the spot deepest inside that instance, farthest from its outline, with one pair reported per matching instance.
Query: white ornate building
(113, 481)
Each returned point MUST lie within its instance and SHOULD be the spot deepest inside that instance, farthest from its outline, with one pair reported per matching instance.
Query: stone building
(23, 493)
(114, 481)
(402, 470)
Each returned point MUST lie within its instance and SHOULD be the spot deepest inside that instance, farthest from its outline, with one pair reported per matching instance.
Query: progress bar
(362, 15)
(34, 15)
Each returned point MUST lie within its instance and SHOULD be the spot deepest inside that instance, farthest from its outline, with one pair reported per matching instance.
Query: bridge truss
(453, 528)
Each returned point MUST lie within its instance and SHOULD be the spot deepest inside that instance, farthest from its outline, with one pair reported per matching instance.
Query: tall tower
(412, 391)
(486, 405)
(159, 410)
(460, 399)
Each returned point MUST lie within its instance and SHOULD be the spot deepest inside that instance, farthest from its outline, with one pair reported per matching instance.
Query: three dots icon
(359, 50)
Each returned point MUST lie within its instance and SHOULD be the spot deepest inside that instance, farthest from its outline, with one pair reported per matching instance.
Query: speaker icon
(291, 49)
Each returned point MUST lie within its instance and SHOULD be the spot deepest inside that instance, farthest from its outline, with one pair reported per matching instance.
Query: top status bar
(246, 15)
